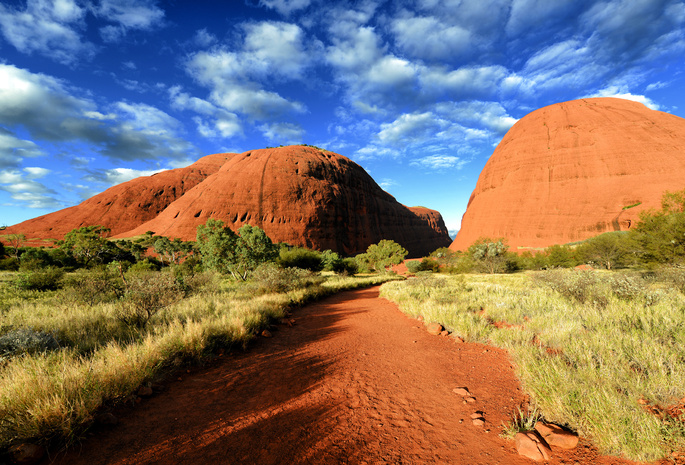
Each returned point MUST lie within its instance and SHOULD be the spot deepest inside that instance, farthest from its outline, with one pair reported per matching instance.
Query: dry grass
(52, 396)
(592, 350)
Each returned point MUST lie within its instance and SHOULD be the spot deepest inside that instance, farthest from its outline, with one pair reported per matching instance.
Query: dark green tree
(89, 244)
(609, 250)
(383, 255)
(172, 251)
(489, 255)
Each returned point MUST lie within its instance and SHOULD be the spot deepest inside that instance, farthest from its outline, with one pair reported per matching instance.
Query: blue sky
(93, 93)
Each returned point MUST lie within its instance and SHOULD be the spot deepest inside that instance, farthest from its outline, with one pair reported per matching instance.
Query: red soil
(354, 381)
(573, 170)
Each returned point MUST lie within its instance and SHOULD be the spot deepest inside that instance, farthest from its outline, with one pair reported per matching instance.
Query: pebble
(434, 328)
(266, 333)
(557, 436)
(462, 391)
(531, 445)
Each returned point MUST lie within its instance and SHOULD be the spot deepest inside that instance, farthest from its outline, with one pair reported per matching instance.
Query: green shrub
(26, 341)
(299, 257)
(145, 266)
(48, 279)
(425, 264)
(9, 264)
(579, 286)
(271, 278)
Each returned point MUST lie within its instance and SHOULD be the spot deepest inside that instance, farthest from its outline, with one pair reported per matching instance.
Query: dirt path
(354, 381)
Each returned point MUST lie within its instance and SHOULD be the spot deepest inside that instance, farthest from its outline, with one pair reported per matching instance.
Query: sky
(419, 93)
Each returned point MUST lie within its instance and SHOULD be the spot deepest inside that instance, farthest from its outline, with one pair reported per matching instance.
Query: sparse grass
(589, 349)
(51, 395)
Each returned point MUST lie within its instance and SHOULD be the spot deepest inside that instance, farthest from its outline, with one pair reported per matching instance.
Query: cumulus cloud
(439, 162)
(127, 15)
(427, 37)
(285, 7)
(238, 79)
(46, 108)
(26, 190)
(283, 132)
(13, 149)
(49, 28)
(118, 175)
(619, 93)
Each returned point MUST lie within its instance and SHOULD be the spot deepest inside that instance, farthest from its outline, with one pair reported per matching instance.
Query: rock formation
(298, 194)
(125, 205)
(303, 196)
(573, 170)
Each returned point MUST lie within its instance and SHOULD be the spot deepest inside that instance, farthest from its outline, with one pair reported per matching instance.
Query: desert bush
(146, 265)
(9, 264)
(26, 341)
(425, 264)
(92, 287)
(144, 295)
(47, 279)
(674, 277)
(299, 257)
(578, 286)
(270, 278)
(626, 286)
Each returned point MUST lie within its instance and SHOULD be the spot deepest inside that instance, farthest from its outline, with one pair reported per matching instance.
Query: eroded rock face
(300, 195)
(303, 196)
(124, 206)
(573, 170)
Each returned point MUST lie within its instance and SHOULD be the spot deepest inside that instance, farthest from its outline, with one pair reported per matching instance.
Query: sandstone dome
(573, 170)
(298, 194)
(303, 196)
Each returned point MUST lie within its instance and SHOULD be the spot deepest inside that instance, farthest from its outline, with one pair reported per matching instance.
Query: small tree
(490, 256)
(172, 251)
(383, 255)
(227, 252)
(16, 241)
(88, 244)
(560, 256)
(608, 249)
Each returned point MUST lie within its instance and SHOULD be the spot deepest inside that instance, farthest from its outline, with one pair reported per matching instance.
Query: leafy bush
(300, 257)
(426, 264)
(626, 287)
(579, 286)
(270, 278)
(25, 340)
(48, 279)
(145, 266)
(673, 276)
(145, 294)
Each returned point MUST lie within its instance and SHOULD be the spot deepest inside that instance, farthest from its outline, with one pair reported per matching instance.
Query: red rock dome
(573, 170)
(125, 205)
(303, 196)
(298, 194)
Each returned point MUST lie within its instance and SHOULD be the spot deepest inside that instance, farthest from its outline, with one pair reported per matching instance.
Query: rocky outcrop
(298, 194)
(124, 206)
(303, 196)
(573, 170)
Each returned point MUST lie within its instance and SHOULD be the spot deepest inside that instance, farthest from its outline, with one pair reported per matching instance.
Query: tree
(609, 249)
(227, 252)
(660, 235)
(490, 256)
(383, 255)
(88, 244)
(560, 256)
(16, 241)
(173, 251)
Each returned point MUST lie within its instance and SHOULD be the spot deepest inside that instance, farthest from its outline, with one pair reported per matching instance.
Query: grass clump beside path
(99, 359)
(601, 353)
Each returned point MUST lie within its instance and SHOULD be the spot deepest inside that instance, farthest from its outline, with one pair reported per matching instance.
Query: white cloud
(47, 110)
(35, 172)
(127, 15)
(237, 79)
(26, 190)
(118, 175)
(283, 132)
(428, 38)
(204, 38)
(411, 127)
(285, 7)
(13, 150)
(50, 28)
(387, 183)
(439, 162)
(490, 115)
(620, 93)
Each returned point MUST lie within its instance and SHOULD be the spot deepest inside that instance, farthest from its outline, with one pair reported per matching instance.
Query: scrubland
(600, 352)
(67, 353)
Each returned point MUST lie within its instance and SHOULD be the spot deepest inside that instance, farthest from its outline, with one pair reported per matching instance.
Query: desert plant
(47, 279)
(144, 295)
(299, 257)
(270, 277)
(489, 256)
(26, 341)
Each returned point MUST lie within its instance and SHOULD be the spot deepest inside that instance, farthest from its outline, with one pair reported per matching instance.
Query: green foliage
(489, 256)
(299, 257)
(46, 279)
(608, 250)
(271, 278)
(15, 241)
(2, 250)
(26, 341)
(560, 256)
(88, 244)
(96, 286)
(9, 264)
(146, 265)
(238, 254)
(381, 256)
(425, 264)
(172, 251)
